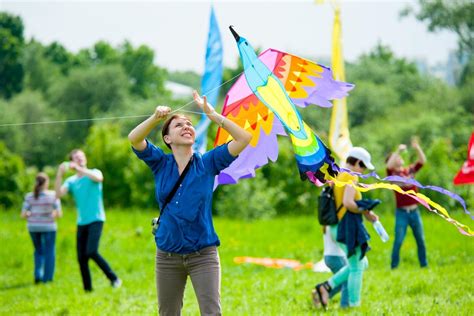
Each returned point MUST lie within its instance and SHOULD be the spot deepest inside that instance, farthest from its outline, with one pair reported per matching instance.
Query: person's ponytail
(41, 179)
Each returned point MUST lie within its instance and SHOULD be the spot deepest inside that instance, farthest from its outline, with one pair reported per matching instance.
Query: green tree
(188, 78)
(453, 15)
(249, 199)
(12, 178)
(40, 72)
(11, 45)
(88, 93)
(109, 152)
(146, 78)
(39, 145)
(127, 180)
(383, 82)
(456, 16)
(58, 54)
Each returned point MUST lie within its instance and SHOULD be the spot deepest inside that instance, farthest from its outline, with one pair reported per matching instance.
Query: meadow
(445, 288)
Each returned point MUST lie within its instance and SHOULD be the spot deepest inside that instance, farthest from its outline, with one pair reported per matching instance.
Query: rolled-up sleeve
(26, 205)
(57, 204)
(218, 158)
(153, 156)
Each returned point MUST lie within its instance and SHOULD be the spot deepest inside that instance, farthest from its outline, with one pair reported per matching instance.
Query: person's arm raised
(94, 175)
(140, 132)
(419, 151)
(60, 190)
(393, 157)
(241, 137)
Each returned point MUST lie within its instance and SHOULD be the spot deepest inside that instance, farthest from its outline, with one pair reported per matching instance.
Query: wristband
(221, 124)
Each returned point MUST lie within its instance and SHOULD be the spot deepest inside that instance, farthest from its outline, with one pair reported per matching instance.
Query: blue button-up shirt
(186, 222)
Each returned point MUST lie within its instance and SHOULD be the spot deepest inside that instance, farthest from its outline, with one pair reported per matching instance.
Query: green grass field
(445, 288)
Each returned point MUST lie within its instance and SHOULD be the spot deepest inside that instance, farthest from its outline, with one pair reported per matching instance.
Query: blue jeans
(335, 263)
(402, 220)
(45, 253)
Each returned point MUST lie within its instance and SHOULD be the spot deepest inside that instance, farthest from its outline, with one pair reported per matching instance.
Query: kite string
(115, 117)
(217, 87)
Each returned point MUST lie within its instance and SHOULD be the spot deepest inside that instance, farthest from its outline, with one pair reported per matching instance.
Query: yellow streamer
(438, 209)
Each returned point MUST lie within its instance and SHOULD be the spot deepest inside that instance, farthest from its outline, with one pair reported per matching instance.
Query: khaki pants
(172, 271)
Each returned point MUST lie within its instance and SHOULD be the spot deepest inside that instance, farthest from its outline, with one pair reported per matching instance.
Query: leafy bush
(249, 199)
(13, 178)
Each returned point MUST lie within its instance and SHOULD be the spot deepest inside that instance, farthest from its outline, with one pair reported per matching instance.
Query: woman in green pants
(350, 232)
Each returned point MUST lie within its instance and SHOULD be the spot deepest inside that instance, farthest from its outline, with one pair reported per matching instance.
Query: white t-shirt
(331, 248)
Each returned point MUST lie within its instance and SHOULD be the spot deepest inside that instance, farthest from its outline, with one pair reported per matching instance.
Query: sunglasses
(362, 165)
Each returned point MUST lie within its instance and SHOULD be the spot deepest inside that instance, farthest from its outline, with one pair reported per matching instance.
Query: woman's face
(180, 132)
(359, 167)
(399, 161)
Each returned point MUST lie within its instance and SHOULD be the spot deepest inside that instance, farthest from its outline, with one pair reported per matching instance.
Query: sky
(177, 30)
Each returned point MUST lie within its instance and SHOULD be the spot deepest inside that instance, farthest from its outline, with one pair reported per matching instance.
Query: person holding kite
(350, 231)
(185, 237)
(407, 212)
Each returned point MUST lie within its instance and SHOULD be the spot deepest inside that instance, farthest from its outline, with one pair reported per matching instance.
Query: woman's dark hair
(166, 126)
(41, 179)
(353, 161)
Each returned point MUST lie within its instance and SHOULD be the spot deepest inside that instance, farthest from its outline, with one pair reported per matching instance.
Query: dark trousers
(88, 237)
(44, 243)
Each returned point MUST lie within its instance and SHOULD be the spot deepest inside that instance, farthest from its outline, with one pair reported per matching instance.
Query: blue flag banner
(211, 79)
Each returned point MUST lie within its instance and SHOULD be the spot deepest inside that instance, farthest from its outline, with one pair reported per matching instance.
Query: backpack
(327, 211)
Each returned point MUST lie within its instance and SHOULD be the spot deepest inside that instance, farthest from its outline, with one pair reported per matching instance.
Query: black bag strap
(176, 186)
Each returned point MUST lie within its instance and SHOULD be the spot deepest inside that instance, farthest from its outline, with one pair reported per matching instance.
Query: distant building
(179, 91)
(449, 71)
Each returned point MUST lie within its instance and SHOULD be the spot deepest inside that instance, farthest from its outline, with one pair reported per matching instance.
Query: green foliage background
(392, 102)
(272, 215)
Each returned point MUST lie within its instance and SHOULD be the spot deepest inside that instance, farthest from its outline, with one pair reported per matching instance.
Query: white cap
(361, 154)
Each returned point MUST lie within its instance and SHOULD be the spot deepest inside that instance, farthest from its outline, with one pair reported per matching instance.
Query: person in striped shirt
(41, 208)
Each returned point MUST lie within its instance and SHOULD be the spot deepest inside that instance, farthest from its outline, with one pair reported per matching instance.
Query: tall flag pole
(211, 80)
(339, 139)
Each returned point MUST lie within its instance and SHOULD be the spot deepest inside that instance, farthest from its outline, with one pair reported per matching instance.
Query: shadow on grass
(15, 286)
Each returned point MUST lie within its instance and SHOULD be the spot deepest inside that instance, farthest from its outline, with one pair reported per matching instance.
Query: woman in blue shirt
(186, 240)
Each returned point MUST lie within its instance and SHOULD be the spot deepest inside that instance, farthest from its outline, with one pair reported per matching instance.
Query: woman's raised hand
(162, 111)
(202, 103)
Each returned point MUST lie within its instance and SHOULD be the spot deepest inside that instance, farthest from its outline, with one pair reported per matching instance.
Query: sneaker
(117, 283)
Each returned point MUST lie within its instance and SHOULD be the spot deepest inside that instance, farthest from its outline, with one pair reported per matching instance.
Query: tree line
(45, 82)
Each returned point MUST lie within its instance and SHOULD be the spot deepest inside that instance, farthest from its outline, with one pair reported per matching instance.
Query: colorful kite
(263, 101)
(466, 174)
(272, 84)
